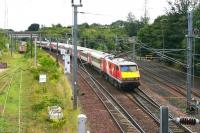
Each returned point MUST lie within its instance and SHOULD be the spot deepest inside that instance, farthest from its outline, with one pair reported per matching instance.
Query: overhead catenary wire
(153, 50)
(89, 13)
(161, 54)
(156, 51)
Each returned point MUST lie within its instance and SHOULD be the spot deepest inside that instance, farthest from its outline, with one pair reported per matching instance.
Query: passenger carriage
(120, 72)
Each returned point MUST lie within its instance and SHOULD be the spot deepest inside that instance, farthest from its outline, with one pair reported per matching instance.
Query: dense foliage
(34, 27)
(169, 31)
(3, 40)
(100, 37)
(56, 31)
(166, 32)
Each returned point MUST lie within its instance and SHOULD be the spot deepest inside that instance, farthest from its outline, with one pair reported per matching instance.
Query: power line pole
(74, 43)
(15, 42)
(134, 51)
(50, 44)
(40, 40)
(31, 46)
(189, 61)
(6, 14)
(145, 12)
(35, 59)
(66, 39)
(163, 36)
(11, 41)
(164, 119)
(116, 43)
(57, 52)
(85, 43)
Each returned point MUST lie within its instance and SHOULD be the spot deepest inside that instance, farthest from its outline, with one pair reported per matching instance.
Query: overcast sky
(22, 13)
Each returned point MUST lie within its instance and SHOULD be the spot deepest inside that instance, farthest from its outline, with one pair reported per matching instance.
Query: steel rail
(181, 91)
(108, 100)
(173, 127)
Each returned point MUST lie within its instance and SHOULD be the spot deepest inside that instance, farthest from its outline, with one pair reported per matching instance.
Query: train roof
(121, 61)
(95, 53)
(99, 54)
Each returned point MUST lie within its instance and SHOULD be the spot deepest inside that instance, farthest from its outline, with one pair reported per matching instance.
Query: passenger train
(120, 72)
(22, 47)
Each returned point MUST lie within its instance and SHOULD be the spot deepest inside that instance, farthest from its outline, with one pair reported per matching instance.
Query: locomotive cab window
(128, 68)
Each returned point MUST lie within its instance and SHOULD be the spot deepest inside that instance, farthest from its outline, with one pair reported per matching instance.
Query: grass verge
(35, 97)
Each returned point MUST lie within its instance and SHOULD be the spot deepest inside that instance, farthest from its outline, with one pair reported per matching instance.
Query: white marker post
(81, 123)
(67, 64)
(62, 52)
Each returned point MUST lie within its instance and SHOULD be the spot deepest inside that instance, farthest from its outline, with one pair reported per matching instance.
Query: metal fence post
(164, 117)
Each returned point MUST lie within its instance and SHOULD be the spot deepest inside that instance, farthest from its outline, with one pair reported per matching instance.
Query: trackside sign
(42, 78)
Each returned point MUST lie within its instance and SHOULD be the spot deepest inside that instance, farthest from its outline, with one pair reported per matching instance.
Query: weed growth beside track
(30, 113)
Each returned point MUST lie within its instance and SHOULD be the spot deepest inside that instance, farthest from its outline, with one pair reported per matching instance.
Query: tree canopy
(166, 32)
(3, 40)
(34, 27)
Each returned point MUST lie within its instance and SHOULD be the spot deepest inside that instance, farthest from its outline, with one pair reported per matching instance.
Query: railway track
(3, 75)
(5, 79)
(123, 119)
(153, 109)
(7, 91)
(116, 110)
(120, 115)
(169, 83)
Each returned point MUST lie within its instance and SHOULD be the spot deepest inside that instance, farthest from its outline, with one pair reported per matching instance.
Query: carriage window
(128, 68)
(96, 60)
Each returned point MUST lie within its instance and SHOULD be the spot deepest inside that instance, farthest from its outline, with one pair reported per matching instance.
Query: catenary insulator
(187, 121)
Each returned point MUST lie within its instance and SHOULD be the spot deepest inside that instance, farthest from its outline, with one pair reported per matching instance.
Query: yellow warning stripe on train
(130, 74)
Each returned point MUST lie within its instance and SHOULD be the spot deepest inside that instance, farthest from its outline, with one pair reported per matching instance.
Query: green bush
(38, 107)
(3, 40)
(47, 102)
(55, 76)
(47, 62)
(55, 101)
(46, 65)
(35, 73)
(58, 123)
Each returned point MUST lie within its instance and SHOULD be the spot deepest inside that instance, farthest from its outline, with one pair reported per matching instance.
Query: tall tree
(34, 27)
(3, 40)
(132, 26)
(130, 17)
(181, 6)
